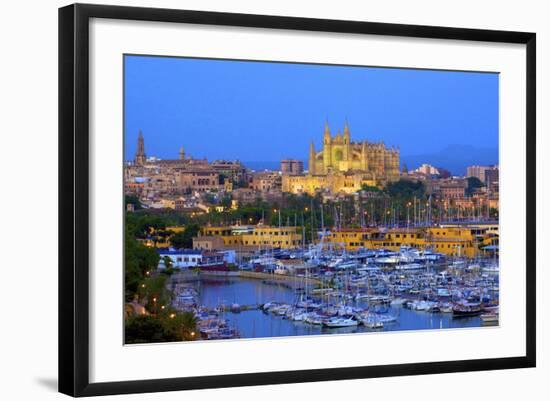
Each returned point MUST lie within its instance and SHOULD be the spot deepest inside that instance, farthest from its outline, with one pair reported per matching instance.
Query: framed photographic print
(312, 199)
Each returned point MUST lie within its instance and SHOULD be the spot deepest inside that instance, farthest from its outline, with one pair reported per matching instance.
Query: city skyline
(335, 237)
(446, 159)
(237, 100)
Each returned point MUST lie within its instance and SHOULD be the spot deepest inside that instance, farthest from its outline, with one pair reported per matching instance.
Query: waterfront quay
(337, 291)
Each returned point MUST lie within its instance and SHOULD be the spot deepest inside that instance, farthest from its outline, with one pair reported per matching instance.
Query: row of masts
(420, 215)
(417, 215)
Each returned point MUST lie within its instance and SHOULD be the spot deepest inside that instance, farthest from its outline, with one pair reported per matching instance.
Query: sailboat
(371, 320)
(340, 321)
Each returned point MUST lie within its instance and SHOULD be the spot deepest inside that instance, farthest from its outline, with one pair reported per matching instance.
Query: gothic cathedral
(344, 166)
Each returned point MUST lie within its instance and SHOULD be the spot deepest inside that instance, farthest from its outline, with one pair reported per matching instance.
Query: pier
(280, 277)
(283, 278)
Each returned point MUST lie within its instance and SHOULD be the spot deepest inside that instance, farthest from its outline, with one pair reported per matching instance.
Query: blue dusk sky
(265, 112)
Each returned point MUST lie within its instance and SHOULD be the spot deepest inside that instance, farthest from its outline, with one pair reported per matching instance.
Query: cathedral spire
(140, 152)
(311, 164)
(327, 132)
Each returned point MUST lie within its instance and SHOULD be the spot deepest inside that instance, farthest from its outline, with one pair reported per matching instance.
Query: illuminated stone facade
(344, 166)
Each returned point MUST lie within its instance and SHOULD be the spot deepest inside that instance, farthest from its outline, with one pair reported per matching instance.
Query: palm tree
(189, 325)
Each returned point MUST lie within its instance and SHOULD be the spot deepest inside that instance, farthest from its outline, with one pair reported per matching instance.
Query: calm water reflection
(255, 323)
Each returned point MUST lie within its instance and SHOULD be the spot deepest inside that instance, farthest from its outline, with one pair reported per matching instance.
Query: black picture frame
(74, 198)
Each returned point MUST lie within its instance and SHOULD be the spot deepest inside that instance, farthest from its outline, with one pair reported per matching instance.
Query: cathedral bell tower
(140, 152)
(327, 149)
(346, 151)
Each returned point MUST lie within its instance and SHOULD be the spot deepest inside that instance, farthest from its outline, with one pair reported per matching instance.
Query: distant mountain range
(455, 158)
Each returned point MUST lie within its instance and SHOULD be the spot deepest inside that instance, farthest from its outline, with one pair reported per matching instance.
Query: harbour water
(255, 323)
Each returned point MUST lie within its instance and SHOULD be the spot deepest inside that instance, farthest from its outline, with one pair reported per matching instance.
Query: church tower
(140, 153)
(182, 153)
(327, 149)
(346, 151)
(364, 157)
(311, 164)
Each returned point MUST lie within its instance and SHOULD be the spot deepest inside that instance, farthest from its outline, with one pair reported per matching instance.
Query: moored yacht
(340, 322)
(489, 318)
(466, 309)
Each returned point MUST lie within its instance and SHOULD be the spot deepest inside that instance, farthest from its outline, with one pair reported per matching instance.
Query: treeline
(400, 203)
(303, 211)
(149, 315)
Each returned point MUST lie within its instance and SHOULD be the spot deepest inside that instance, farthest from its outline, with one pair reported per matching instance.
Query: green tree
(405, 190)
(209, 198)
(139, 259)
(473, 184)
(226, 202)
(222, 178)
(241, 183)
(147, 329)
(184, 239)
(132, 199)
(144, 225)
(188, 325)
(167, 262)
(153, 293)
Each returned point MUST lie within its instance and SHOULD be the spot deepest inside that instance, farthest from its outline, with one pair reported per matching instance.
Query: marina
(339, 236)
(341, 292)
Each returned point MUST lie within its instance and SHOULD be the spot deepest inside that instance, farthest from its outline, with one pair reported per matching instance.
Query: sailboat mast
(322, 219)
(312, 228)
(303, 232)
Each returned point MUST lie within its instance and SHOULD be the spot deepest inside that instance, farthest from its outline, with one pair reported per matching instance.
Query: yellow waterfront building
(451, 241)
(259, 236)
(223, 232)
(275, 237)
(344, 166)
